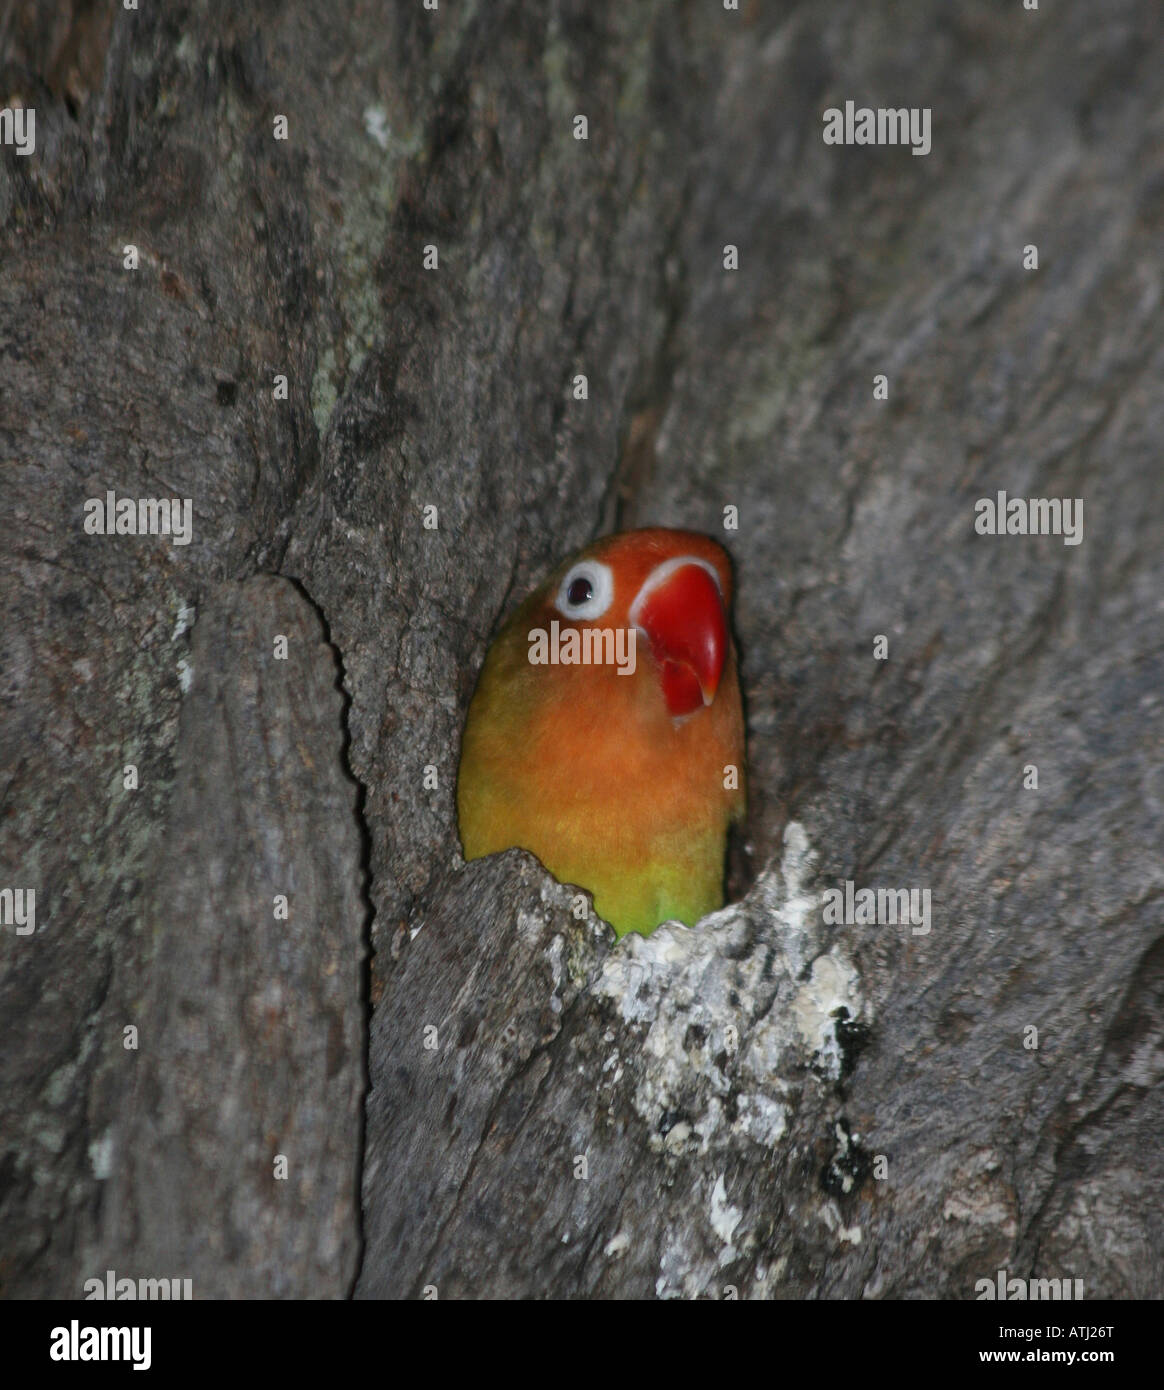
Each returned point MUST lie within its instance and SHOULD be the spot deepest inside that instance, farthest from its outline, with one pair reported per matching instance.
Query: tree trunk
(357, 351)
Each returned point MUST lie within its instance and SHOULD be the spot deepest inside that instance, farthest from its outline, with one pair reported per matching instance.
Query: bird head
(671, 589)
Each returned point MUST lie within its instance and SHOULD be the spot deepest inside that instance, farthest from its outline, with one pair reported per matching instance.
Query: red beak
(683, 617)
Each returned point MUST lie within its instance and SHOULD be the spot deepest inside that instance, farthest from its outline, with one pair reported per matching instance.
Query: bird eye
(587, 590)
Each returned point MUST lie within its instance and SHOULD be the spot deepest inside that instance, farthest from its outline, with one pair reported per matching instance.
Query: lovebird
(606, 733)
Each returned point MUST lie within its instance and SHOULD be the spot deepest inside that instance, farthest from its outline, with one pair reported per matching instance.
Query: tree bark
(767, 1104)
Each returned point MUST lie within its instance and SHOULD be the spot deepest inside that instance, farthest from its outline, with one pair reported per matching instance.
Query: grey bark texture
(545, 1113)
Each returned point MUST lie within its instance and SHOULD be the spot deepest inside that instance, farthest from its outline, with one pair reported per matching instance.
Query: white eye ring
(601, 581)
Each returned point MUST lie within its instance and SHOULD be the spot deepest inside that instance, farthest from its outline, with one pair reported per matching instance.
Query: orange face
(672, 588)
